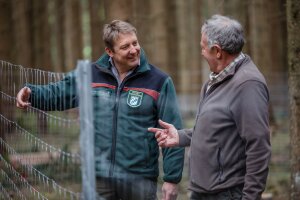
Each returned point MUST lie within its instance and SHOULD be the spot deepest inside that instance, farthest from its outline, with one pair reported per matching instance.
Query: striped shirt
(214, 78)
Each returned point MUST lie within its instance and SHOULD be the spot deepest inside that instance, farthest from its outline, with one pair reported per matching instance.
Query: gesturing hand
(167, 137)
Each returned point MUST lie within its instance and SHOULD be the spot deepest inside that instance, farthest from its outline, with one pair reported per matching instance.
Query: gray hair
(112, 30)
(225, 32)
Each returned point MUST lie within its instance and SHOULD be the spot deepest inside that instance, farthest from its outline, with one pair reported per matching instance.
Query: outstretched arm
(59, 95)
(167, 137)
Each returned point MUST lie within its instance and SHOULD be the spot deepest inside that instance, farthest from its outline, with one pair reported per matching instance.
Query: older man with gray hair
(230, 141)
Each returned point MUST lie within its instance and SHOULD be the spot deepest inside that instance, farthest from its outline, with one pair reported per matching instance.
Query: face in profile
(209, 54)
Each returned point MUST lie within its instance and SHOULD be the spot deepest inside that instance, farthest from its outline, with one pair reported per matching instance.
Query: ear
(218, 50)
(109, 51)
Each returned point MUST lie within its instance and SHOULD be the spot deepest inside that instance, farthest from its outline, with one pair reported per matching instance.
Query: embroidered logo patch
(134, 98)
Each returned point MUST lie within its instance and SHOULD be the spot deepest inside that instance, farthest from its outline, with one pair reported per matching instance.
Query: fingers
(154, 130)
(23, 105)
(164, 124)
(23, 97)
(160, 135)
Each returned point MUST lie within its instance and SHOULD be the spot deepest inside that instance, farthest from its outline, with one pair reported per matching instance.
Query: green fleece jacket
(122, 114)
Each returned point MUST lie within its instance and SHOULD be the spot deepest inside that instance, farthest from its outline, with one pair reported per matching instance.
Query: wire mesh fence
(40, 151)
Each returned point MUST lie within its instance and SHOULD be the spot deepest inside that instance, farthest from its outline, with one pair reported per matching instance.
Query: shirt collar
(229, 68)
(115, 71)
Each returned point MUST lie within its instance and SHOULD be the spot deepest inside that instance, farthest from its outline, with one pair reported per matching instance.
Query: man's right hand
(23, 97)
(167, 137)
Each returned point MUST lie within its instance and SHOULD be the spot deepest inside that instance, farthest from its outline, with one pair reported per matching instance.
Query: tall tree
(21, 16)
(73, 42)
(118, 9)
(97, 17)
(142, 18)
(158, 35)
(172, 40)
(56, 19)
(293, 22)
(41, 39)
(267, 24)
(188, 44)
(5, 31)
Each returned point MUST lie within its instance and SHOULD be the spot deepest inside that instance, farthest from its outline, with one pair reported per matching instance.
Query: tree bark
(172, 40)
(158, 35)
(41, 36)
(73, 42)
(5, 31)
(293, 26)
(189, 55)
(21, 16)
(97, 17)
(141, 18)
(57, 13)
(118, 9)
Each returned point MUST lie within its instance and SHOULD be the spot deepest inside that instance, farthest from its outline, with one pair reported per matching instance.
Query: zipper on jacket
(115, 122)
(114, 133)
(115, 117)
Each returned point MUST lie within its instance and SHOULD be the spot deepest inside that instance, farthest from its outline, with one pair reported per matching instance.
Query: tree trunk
(73, 42)
(141, 18)
(293, 22)
(172, 40)
(266, 27)
(118, 9)
(56, 15)
(97, 17)
(5, 31)
(159, 35)
(21, 16)
(42, 57)
(189, 55)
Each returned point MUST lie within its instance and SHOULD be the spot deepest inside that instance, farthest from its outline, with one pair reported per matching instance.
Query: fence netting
(39, 151)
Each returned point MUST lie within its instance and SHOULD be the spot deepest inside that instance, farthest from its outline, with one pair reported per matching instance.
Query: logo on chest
(134, 98)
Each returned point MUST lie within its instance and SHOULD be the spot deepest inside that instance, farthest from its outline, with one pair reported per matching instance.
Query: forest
(53, 35)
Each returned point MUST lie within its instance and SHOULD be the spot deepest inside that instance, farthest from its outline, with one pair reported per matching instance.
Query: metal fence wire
(41, 152)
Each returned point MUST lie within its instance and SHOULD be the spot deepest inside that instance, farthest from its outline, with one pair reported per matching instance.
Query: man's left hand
(169, 191)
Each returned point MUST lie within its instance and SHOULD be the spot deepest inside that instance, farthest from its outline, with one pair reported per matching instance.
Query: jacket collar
(103, 62)
(228, 72)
